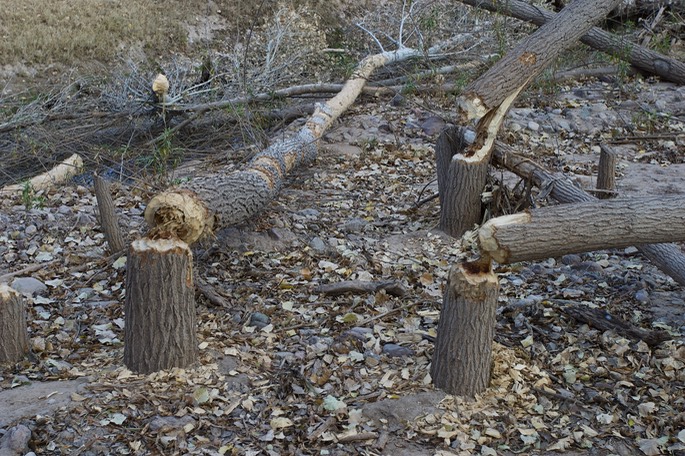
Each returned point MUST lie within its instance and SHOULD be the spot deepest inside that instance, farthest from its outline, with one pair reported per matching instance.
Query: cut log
(488, 99)
(14, 342)
(60, 173)
(667, 257)
(108, 217)
(462, 360)
(606, 173)
(645, 60)
(391, 287)
(160, 326)
(228, 197)
(559, 230)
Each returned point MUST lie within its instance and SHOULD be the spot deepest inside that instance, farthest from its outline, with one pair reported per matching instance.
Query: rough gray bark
(667, 257)
(229, 197)
(645, 60)
(554, 231)
(160, 327)
(606, 173)
(462, 360)
(14, 342)
(460, 184)
(108, 216)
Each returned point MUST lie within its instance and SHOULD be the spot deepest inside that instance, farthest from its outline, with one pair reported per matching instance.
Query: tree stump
(462, 361)
(606, 173)
(460, 183)
(160, 331)
(14, 342)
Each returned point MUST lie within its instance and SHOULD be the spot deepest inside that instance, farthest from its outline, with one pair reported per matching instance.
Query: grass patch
(40, 32)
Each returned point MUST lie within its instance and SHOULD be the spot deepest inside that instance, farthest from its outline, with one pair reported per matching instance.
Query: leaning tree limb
(554, 231)
(640, 57)
(488, 99)
(667, 257)
(228, 197)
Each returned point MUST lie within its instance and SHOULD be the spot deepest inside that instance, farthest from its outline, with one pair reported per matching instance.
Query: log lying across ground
(583, 227)
(645, 60)
(667, 257)
(487, 100)
(60, 173)
(228, 197)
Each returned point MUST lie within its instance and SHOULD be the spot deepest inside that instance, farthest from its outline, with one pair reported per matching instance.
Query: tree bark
(226, 197)
(14, 342)
(460, 184)
(108, 216)
(462, 361)
(488, 99)
(558, 230)
(160, 327)
(606, 173)
(667, 257)
(645, 60)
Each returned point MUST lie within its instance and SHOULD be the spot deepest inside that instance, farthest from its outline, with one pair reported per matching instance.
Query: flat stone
(28, 286)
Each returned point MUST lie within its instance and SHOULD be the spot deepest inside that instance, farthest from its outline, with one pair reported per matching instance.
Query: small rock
(433, 125)
(15, 441)
(398, 100)
(28, 286)
(309, 213)
(515, 127)
(259, 320)
(571, 259)
(642, 296)
(353, 225)
(533, 126)
(630, 250)
(317, 244)
(31, 230)
(169, 423)
(397, 351)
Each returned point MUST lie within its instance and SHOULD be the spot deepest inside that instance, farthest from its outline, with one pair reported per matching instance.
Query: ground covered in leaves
(288, 368)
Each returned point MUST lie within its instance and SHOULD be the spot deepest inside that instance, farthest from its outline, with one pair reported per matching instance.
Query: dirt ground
(286, 369)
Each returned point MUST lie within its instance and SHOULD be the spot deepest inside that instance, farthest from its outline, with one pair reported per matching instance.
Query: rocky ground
(286, 369)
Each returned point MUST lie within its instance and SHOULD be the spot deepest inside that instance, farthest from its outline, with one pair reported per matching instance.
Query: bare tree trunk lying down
(228, 197)
(645, 60)
(583, 227)
(487, 100)
(667, 257)
(60, 173)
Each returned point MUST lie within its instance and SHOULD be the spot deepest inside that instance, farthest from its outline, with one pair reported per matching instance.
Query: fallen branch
(228, 197)
(604, 321)
(60, 173)
(667, 257)
(554, 231)
(360, 286)
(640, 57)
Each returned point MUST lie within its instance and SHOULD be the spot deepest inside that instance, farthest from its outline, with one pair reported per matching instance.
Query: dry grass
(40, 32)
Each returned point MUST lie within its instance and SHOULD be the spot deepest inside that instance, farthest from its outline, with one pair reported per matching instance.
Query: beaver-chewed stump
(14, 343)
(160, 331)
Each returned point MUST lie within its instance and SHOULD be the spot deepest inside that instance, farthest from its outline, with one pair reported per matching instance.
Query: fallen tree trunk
(645, 60)
(228, 197)
(488, 99)
(583, 227)
(60, 173)
(667, 257)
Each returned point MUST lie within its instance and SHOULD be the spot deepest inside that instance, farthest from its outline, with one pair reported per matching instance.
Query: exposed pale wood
(643, 59)
(60, 173)
(606, 173)
(667, 257)
(108, 216)
(160, 327)
(235, 196)
(14, 342)
(462, 360)
(361, 286)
